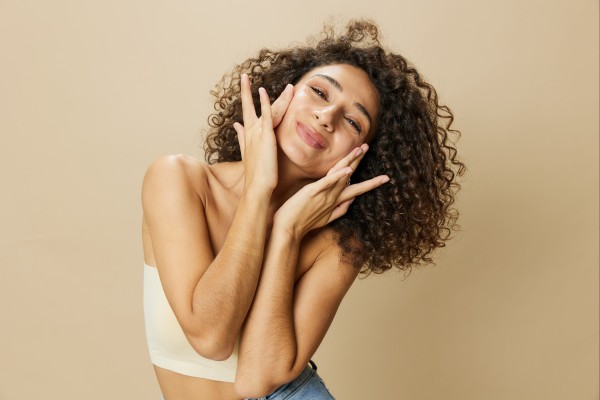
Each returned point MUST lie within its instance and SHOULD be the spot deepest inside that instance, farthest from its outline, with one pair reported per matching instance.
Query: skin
(299, 164)
(222, 185)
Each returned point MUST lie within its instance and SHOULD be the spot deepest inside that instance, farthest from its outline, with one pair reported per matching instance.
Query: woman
(248, 257)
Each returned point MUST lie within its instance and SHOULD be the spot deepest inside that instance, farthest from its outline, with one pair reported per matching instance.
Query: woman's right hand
(258, 144)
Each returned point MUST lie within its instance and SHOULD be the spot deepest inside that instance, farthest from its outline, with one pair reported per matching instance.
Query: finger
(280, 106)
(352, 159)
(265, 109)
(340, 210)
(240, 131)
(357, 189)
(358, 156)
(332, 178)
(248, 109)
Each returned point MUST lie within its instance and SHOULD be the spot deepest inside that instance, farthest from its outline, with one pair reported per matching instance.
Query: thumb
(280, 106)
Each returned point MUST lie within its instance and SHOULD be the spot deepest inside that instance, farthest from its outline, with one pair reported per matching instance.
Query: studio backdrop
(91, 92)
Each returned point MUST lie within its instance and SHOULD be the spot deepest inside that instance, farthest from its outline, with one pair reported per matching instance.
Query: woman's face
(335, 104)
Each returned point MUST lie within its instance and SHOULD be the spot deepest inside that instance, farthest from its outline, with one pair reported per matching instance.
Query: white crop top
(169, 348)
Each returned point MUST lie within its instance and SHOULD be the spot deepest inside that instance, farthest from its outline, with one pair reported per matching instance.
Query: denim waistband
(287, 390)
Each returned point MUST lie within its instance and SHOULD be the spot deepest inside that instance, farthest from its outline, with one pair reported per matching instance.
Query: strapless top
(168, 346)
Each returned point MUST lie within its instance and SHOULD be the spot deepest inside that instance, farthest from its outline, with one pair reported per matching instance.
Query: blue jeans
(307, 386)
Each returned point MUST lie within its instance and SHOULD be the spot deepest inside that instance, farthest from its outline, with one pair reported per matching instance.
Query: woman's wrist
(288, 228)
(257, 194)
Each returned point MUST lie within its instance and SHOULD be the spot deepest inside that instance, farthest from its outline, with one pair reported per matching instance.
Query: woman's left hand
(319, 203)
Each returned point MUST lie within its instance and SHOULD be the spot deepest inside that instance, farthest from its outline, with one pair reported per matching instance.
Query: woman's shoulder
(328, 237)
(177, 163)
(185, 172)
(326, 240)
(177, 170)
(321, 250)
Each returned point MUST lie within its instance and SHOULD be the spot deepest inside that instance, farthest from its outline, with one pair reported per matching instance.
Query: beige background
(92, 92)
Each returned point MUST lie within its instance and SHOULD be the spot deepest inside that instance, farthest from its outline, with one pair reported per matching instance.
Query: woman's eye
(356, 126)
(352, 122)
(319, 92)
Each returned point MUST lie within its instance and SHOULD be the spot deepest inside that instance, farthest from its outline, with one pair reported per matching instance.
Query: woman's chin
(295, 153)
(300, 155)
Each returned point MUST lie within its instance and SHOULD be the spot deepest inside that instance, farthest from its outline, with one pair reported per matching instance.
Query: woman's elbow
(251, 390)
(211, 349)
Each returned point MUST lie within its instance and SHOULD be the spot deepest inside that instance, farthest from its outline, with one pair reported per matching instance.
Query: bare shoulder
(179, 170)
(330, 255)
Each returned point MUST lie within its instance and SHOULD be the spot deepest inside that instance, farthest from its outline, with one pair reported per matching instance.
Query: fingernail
(289, 87)
(352, 200)
(384, 180)
(359, 152)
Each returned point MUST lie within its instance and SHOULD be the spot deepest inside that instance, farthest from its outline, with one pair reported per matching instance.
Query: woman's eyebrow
(335, 83)
(339, 87)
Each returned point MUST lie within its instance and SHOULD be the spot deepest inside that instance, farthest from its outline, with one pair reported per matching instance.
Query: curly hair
(397, 224)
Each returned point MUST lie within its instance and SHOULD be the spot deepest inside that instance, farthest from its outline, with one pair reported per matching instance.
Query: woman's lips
(313, 139)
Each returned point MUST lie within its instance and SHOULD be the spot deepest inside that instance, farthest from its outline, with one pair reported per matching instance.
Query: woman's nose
(325, 117)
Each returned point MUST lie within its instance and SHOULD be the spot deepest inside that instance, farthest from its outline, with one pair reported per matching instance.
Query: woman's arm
(268, 339)
(210, 296)
(286, 324)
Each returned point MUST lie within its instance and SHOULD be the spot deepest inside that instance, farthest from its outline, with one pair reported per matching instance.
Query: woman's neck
(290, 180)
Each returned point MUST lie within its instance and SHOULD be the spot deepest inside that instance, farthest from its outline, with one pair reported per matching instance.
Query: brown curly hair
(397, 224)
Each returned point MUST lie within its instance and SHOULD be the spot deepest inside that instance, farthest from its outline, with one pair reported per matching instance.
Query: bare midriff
(176, 386)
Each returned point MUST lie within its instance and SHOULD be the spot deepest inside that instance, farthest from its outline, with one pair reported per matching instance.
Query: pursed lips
(312, 133)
